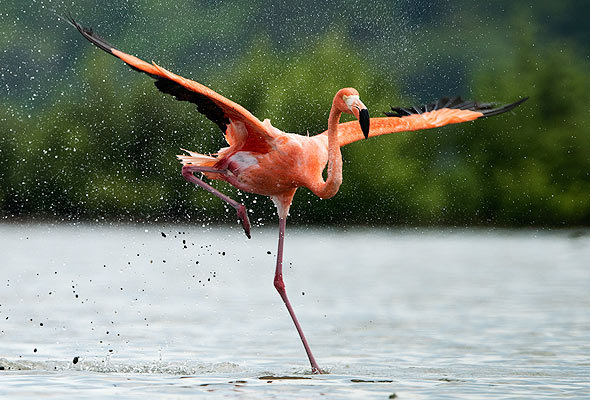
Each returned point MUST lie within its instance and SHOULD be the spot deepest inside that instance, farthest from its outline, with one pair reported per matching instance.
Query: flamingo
(264, 160)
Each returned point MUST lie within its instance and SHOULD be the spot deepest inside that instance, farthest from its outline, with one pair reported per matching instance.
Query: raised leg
(188, 174)
(280, 286)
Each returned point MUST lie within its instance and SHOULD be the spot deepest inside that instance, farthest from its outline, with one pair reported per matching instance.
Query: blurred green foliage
(101, 141)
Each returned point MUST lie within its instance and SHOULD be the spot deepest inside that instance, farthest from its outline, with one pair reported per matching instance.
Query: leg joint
(279, 284)
(187, 171)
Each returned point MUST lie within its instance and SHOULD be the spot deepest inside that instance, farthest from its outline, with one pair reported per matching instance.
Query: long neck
(330, 187)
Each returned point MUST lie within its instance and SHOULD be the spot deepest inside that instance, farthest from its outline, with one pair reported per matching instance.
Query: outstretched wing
(439, 113)
(217, 108)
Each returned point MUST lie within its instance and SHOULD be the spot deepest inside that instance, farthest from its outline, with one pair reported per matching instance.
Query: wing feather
(439, 113)
(212, 105)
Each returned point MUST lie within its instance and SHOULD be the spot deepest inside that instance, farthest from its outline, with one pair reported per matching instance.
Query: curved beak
(360, 111)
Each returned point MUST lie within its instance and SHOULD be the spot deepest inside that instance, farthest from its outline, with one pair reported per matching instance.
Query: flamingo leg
(188, 174)
(280, 286)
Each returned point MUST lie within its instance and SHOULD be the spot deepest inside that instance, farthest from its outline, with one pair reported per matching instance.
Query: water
(449, 314)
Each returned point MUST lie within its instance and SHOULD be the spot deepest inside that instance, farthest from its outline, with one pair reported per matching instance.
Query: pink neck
(330, 187)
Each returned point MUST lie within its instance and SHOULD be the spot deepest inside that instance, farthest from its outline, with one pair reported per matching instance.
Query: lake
(165, 311)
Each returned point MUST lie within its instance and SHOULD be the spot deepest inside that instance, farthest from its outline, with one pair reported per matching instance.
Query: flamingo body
(264, 160)
(292, 161)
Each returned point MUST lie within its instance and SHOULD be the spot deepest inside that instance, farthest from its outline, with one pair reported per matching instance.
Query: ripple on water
(107, 366)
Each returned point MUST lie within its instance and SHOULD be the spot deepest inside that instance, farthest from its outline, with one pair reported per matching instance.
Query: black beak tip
(365, 122)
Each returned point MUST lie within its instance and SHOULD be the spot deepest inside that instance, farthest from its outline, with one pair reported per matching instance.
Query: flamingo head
(347, 101)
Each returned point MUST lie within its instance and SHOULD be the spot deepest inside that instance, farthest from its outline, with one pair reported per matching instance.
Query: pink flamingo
(264, 160)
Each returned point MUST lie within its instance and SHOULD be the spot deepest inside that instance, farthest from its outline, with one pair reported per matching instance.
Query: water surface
(177, 311)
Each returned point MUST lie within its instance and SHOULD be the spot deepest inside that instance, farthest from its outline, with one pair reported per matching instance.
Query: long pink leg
(280, 286)
(188, 174)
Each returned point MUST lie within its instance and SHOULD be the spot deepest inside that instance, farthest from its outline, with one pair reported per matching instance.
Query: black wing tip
(67, 17)
(457, 103)
(500, 110)
(88, 33)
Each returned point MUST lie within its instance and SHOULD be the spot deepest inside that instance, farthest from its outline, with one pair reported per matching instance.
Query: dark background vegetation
(84, 137)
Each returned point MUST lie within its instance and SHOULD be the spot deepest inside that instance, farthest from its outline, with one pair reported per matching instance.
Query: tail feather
(196, 159)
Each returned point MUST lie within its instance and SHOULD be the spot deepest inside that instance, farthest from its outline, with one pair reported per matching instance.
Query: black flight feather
(205, 105)
(457, 103)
